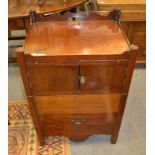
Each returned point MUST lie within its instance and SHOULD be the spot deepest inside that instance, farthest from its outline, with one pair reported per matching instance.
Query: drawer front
(83, 124)
(16, 24)
(47, 79)
(102, 78)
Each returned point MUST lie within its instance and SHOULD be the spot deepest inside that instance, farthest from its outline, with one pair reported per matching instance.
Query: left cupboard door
(49, 79)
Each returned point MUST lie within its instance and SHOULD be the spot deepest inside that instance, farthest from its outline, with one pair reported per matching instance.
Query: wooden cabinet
(76, 76)
(133, 21)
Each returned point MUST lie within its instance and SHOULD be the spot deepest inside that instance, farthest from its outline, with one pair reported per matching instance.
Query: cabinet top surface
(121, 2)
(75, 38)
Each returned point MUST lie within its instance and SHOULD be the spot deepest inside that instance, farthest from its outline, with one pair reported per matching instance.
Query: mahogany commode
(76, 75)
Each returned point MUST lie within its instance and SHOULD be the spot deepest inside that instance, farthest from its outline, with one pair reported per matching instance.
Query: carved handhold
(133, 47)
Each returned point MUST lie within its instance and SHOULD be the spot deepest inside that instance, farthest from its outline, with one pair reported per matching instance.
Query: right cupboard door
(104, 78)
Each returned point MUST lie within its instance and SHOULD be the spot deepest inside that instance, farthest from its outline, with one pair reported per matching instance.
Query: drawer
(77, 126)
(16, 24)
(69, 104)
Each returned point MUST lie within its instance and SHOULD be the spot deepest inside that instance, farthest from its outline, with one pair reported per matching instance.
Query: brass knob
(78, 121)
(82, 79)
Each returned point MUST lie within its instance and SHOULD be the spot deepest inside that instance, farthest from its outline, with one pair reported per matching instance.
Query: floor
(131, 139)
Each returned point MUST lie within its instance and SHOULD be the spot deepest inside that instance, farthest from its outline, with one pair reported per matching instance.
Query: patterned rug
(22, 138)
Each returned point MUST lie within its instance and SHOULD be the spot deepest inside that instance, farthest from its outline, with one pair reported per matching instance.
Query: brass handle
(78, 121)
(82, 79)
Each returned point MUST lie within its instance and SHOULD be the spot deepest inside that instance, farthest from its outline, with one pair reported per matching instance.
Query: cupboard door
(102, 78)
(52, 79)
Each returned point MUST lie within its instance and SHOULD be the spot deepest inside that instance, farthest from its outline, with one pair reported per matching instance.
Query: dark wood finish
(133, 21)
(77, 74)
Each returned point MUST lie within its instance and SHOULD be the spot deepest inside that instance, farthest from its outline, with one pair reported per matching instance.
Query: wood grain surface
(75, 38)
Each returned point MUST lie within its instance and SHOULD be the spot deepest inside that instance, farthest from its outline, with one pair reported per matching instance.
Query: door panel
(46, 79)
(102, 78)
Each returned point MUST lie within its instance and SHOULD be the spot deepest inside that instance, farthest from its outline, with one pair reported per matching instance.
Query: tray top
(75, 38)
